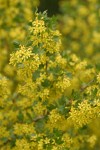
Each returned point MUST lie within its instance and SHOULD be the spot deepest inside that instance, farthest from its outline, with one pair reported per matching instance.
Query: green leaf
(16, 44)
(20, 116)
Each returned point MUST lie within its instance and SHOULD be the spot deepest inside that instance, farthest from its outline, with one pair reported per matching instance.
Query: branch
(40, 117)
(88, 84)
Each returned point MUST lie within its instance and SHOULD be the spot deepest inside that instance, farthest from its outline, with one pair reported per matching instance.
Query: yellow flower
(20, 56)
(22, 144)
(98, 78)
(92, 140)
(62, 84)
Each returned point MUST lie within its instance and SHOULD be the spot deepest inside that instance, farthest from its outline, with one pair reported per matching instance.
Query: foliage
(56, 96)
(79, 23)
(14, 16)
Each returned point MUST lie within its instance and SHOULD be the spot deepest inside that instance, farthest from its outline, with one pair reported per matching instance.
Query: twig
(88, 84)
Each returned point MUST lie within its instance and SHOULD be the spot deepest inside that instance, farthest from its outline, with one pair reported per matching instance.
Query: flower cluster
(84, 111)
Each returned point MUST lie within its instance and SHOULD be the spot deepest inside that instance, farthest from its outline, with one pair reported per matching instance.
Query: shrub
(56, 96)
